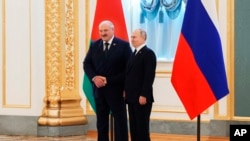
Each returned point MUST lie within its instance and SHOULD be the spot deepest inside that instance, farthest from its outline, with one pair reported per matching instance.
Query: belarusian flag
(105, 10)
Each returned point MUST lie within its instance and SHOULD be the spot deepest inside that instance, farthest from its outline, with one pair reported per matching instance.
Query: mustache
(104, 35)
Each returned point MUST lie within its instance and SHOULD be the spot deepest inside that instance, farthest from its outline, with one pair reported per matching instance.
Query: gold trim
(241, 118)
(166, 73)
(163, 72)
(87, 28)
(76, 42)
(4, 103)
(230, 65)
(3, 53)
(62, 99)
(89, 111)
(179, 120)
(175, 111)
(231, 42)
(216, 105)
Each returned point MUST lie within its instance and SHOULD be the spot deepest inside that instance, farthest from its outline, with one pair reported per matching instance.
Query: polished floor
(30, 138)
(91, 136)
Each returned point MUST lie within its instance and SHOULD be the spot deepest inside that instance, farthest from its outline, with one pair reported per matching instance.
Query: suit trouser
(139, 118)
(118, 108)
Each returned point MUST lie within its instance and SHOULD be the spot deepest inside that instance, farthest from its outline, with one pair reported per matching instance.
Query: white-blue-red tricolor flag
(199, 75)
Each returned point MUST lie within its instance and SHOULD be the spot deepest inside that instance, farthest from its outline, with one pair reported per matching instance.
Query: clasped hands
(100, 81)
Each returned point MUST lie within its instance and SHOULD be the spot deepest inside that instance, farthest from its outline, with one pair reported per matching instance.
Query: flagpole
(198, 127)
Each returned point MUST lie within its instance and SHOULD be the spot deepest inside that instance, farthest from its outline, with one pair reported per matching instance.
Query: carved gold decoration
(62, 101)
(69, 41)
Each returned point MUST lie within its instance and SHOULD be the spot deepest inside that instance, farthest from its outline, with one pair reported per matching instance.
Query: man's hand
(100, 81)
(142, 100)
(124, 95)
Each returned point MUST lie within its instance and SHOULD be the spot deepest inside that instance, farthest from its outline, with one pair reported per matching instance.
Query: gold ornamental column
(62, 99)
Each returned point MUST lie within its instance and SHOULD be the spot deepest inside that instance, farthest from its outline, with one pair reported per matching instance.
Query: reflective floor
(92, 137)
(30, 138)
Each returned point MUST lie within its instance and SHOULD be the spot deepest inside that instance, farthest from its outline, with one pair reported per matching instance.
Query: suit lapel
(141, 51)
(112, 47)
(135, 58)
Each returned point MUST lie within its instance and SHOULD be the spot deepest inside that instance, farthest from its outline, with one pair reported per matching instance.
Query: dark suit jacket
(140, 74)
(112, 67)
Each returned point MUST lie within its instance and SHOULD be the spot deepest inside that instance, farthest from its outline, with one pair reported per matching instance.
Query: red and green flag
(111, 10)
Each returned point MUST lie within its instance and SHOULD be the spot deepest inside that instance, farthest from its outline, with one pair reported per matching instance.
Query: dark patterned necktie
(106, 48)
(134, 53)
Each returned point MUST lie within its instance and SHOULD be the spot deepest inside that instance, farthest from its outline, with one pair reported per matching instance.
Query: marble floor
(92, 137)
(30, 138)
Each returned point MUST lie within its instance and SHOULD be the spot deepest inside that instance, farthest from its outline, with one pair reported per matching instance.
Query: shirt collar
(140, 47)
(110, 41)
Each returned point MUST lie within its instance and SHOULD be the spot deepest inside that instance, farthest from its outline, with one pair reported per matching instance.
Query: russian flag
(198, 74)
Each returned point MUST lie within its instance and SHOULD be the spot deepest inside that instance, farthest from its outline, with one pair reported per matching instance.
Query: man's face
(106, 32)
(137, 39)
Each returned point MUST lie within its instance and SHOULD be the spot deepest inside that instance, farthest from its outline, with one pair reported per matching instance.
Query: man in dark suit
(105, 65)
(139, 79)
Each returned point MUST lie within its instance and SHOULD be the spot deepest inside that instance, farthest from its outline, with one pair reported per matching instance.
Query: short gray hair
(143, 33)
(108, 23)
